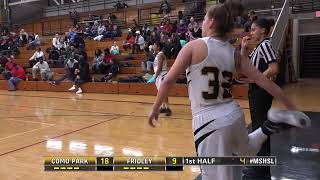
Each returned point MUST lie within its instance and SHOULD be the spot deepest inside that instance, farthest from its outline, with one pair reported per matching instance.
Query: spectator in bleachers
(82, 75)
(104, 67)
(56, 42)
(115, 49)
(110, 32)
(181, 16)
(71, 50)
(66, 40)
(78, 29)
(70, 66)
(139, 44)
(79, 41)
(167, 28)
(94, 29)
(37, 56)
(120, 5)
(100, 33)
(130, 40)
(164, 7)
(97, 61)
(182, 29)
(192, 24)
(54, 57)
(113, 70)
(24, 37)
(195, 33)
(134, 26)
(14, 74)
(35, 41)
(42, 67)
(175, 45)
(155, 37)
(147, 63)
(252, 17)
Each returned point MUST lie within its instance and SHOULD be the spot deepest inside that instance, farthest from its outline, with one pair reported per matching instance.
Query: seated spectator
(71, 65)
(23, 38)
(195, 33)
(181, 16)
(192, 24)
(104, 67)
(120, 5)
(139, 44)
(79, 41)
(94, 29)
(128, 43)
(66, 40)
(56, 43)
(147, 63)
(14, 75)
(101, 31)
(37, 56)
(175, 45)
(110, 32)
(115, 49)
(164, 7)
(167, 28)
(114, 70)
(97, 61)
(42, 67)
(35, 42)
(182, 29)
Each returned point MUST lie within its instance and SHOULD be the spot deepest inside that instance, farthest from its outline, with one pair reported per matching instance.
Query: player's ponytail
(224, 15)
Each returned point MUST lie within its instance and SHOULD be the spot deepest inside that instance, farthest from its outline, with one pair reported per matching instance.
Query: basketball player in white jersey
(218, 121)
(161, 69)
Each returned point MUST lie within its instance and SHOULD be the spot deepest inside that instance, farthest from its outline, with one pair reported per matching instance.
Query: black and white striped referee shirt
(263, 55)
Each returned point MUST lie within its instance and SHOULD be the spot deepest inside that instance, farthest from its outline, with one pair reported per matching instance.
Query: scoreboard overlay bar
(145, 163)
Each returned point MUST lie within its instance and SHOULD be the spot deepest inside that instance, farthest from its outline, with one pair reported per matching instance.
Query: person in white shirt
(115, 49)
(56, 42)
(35, 42)
(42, 67)
(101, 31)
(139, 44)
(36, 57)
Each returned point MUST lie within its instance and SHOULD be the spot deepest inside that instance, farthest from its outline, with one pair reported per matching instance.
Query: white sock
(256, 139)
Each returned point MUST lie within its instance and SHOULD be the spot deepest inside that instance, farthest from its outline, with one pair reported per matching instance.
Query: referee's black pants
(260, 102)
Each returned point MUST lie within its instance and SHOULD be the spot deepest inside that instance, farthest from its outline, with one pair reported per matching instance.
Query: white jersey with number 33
(210, 81)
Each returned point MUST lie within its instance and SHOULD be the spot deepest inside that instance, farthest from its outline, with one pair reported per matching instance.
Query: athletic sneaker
(79, 91)
(52, 83)
(72, 88)
(168, 112)
(279, 120)
(163, 110)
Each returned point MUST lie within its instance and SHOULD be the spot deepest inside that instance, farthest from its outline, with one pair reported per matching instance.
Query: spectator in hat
(139, 44)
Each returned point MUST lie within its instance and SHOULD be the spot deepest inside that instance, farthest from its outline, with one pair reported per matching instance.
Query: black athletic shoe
(168, 112)
(163, 110)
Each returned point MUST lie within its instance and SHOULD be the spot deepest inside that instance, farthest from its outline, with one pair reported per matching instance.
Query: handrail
(280, 27)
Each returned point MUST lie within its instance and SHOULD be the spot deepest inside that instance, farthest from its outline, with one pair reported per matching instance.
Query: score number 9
(174, 160)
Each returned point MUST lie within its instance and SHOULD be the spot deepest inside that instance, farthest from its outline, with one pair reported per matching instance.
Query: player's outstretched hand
(154, 115)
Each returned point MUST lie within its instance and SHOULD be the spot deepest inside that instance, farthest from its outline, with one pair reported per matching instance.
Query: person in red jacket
(18, 74)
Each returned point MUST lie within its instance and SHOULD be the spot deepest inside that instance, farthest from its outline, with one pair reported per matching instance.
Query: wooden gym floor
(36, 124)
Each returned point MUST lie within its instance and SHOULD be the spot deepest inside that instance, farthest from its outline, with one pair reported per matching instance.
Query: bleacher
(239, 91)
(60, 24)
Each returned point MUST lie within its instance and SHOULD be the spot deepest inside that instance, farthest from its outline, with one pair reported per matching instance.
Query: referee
(264, 59)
